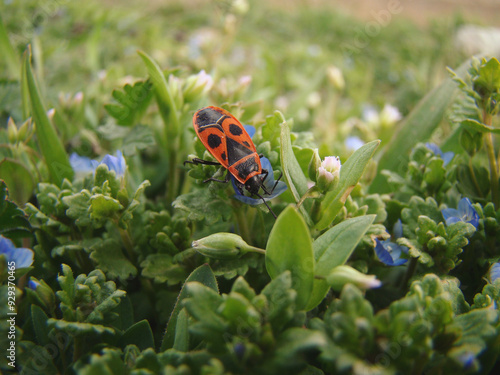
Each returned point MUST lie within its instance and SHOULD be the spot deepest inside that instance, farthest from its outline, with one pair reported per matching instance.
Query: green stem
(473, 176)
(409, 272)
(490, 149)
(256, 250)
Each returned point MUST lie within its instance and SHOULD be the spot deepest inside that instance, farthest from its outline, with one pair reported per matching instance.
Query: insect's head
(254, 184)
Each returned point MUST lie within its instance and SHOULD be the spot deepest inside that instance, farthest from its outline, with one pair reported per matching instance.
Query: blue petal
(268, 183)
(250, 130)
(451, 215)
(389, 253)
(21, 256)
(32, 284)
(447, 157)
(434, 148)
(115, 163)
(495, 272)
(468, 213)
(353, 143)
(397, 230)
(81, 163)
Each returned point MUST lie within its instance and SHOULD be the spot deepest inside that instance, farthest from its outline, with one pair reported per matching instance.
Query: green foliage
(142, 268)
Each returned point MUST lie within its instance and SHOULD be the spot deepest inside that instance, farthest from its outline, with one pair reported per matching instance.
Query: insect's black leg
(197, 161)
(224, 181)
(276, 183)
(269, 208)
(265, 172)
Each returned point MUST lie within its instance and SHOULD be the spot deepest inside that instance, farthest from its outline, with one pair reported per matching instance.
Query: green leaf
(416, 127)
(479, 126)
(166, 102)
(108, 363)
(350, 173)
(39, 319)
(161, 268)
(50, 144)
(203, 204)
(109, 257)
(488, 80)
(13, 223)
(19, 179)
(140, 137)
(332, 249)
(203, 275)
(103, 208)
(8, 53)
(132, 102)
(292, 172)
(181, 342)
(140, 334)
(290, 248)
(281, 298)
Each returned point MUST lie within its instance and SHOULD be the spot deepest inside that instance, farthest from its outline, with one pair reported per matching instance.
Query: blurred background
(354, 68)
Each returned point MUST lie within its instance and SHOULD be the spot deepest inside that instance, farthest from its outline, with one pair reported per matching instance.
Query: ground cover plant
(116, 257)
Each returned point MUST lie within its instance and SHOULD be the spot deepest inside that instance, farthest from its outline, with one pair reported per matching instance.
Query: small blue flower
(82, 164)
(467, 359)
(389, 252)
(465, 213)
(353, 143)
(446, 156)
(114, 163)
(268, 183)
(32, 284)
(21, 256)
(494, 272)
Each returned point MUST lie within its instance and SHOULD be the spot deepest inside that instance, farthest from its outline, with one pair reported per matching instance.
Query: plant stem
(493, 162)
(409, 272)
(473, 176)
(257, 250)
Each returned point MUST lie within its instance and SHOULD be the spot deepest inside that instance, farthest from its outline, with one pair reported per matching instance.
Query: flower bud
(196, 86)
(335, 77)
(314, 165)
(328, 173)
(42, 293)
(25, 131)
(389, 116)
(12, 130)
(342, 275)
(222, 246)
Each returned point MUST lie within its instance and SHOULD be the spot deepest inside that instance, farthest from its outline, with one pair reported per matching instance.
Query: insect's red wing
(207, 125)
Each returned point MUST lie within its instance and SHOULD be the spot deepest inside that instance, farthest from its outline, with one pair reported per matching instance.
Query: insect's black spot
(223, 156)
(235, 130)
(246, 144)
(214, 141)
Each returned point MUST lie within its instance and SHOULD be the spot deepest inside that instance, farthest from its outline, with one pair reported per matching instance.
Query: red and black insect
(228, 142)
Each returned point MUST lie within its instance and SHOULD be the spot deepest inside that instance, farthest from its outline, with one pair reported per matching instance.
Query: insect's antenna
(269, 208)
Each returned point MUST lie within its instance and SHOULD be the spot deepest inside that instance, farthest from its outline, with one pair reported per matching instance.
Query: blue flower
(33, 284)
(465, 213)
(21, 256)
(85, 165)
(446, 156)
(353, 143)
(494, 272)
(389, 252)
(268, 183)
(81, 163)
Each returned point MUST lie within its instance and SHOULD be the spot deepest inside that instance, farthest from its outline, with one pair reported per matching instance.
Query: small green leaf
(103, 207)
(40, 326)
(350, 173)
(51, 146)
(132, 102)
(292, 172)
(203, 275)
(19, 179)
(161, 268)
(332, 249)
(181, 342)
(140, 334)
(479, 127)
(488, 81)
(166, 102)
(109, 257)
(13, 223)
(290, 248)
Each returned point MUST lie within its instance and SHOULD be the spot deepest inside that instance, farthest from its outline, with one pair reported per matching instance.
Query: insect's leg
(197, 161)
(265, 172)
(276, 183)
(269, 208)
(224, 181)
